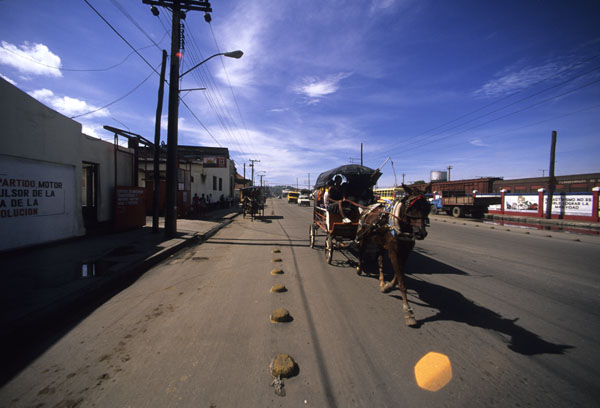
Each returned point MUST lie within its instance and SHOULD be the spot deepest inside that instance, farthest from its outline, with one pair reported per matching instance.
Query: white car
(304, 200)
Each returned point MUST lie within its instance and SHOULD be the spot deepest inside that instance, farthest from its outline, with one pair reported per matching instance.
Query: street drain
(278, 288)
(281, 315)
(276, 272)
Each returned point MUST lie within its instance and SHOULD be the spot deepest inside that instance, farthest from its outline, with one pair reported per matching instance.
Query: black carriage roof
(348, 170)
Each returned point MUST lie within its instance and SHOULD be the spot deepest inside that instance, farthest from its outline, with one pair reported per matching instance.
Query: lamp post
(171, 182)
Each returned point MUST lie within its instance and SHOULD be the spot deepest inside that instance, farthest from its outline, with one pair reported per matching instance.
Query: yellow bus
(388, 193)
(293, 197)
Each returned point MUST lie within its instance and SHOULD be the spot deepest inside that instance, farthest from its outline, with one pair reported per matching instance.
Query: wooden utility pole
(178, 9)
(551, 179)
(161, 92)
(252, 161)
(361, 154)
(449, 168)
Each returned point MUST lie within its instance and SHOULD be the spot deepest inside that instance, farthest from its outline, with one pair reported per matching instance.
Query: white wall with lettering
(37, 202)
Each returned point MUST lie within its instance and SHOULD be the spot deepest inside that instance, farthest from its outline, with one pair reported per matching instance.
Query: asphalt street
(514, 311)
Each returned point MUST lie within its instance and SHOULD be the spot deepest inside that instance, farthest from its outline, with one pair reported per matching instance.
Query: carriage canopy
(365, 175)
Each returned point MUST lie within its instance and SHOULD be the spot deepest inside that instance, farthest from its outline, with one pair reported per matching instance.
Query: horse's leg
(380, 266)
(361, 250)
(398, 256)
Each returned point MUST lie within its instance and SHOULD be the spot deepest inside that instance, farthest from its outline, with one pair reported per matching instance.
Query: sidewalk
(557, 223)
(41, 284)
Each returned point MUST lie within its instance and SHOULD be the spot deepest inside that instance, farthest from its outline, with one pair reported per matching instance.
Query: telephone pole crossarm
(189, 5)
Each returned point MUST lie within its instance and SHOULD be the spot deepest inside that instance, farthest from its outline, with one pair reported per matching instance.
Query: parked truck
(459, 206)
(461, 197)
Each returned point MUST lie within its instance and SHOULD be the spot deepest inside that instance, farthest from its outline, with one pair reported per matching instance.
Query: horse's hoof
(411, 322)
(385, 288)
(358, 271)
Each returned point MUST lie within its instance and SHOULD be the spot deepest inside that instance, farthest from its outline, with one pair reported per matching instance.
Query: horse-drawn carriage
(338, 220)
(355, 216)
(253, 201)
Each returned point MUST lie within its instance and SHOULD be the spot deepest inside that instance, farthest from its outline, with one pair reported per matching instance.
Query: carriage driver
(334, 196)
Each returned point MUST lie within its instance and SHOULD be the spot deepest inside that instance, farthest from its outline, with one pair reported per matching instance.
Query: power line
(394, 147)
(230, 87)
(120, 36)
(115, 101)
(512, 113)
(74, 69)
(133, 21)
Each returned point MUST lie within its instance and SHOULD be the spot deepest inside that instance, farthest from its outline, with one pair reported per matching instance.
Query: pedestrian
(196, 202)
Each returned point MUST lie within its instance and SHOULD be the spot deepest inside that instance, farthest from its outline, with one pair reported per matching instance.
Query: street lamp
(232, 54)
(171, 187)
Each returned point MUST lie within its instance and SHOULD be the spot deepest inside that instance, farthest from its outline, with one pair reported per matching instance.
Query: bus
(388, 193)
(293, 197)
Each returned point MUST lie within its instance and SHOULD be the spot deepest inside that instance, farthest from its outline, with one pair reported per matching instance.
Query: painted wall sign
(521, 203)
(29, 189)
(571, 204)
(37, 202)
(130, 208)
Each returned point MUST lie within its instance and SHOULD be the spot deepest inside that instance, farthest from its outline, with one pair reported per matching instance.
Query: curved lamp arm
(232, 54)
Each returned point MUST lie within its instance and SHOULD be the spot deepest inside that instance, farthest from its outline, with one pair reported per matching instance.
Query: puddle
(522, 225)
(95, 268)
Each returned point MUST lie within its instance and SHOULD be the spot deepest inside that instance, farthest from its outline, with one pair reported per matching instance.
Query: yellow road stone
(284, 366)
(278, 288)
(281, 315)
(276, 272)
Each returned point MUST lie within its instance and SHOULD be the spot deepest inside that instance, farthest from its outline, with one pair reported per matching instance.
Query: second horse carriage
(253, 201)
(337, 202)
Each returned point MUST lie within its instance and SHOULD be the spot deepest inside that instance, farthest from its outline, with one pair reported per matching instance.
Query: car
(304, 200)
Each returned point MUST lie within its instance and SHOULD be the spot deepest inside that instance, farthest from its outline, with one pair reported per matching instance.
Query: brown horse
(395, 230)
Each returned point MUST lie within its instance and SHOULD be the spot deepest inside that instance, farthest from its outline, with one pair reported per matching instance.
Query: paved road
(515, 313)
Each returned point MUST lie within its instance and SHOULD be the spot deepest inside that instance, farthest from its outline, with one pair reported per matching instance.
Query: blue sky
(478, 85)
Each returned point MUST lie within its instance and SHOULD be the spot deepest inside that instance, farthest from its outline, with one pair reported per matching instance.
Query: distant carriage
(253, 201)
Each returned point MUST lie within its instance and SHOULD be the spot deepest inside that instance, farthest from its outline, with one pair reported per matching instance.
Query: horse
(394, 229)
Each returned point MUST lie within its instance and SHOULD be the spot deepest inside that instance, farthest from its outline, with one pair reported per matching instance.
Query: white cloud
(478, 143)
(314, 88)
(513, 80)
(36, 59)
(8, 80)
(66, 105)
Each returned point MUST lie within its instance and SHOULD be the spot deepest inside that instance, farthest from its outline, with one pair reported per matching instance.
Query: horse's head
(414, 212)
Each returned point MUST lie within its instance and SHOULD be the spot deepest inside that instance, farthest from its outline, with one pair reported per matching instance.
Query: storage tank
(439, 175)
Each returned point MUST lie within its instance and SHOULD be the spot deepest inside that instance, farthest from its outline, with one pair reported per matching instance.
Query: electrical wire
(512, 113)
(75, 69)
(120, 36)
(116, 100)
(499, 109)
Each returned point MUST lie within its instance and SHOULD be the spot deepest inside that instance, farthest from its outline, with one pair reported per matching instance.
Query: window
(220, 184)
(215, 183)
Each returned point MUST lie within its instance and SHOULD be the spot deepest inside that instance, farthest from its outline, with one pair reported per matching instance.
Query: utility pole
(156, 198)
(178, 8)
(244, 174)
(361, 154)
(449, 168)
(403, 175)
(252, 161)
(551, 179)
(309, 181)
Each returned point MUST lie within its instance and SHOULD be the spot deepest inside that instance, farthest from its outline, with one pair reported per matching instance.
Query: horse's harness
(387, 217)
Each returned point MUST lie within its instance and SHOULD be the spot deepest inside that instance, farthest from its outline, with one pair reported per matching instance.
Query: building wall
(41, 154)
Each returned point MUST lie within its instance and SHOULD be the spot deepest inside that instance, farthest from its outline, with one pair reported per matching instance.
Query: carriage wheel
(329, 249)
(311, 235)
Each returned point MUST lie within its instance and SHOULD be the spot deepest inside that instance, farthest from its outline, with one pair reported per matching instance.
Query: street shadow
(453, 306)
